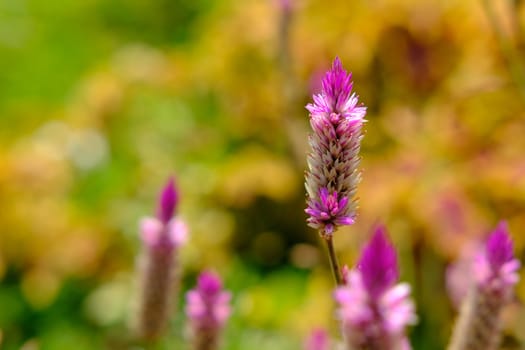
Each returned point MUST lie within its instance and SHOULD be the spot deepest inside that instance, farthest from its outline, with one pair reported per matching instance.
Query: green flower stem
(334, 264)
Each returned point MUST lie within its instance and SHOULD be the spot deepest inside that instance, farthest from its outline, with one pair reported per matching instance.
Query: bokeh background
(101, 101)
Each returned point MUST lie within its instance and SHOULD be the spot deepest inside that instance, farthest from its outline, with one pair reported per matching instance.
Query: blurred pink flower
(495, 272)
(207, 308)
(161, 236)
(496, 268)
(373, 309)
(165, 230)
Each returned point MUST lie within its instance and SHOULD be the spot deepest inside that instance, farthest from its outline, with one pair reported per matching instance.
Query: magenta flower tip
(378, 263)
(168, 202)
(209, 283)
(337, 84)
(499, 246)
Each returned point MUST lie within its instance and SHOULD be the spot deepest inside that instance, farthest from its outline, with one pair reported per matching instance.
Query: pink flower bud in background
(208, 309)
(495, 272)
(373, 308)
(496, 268)
(161, 236)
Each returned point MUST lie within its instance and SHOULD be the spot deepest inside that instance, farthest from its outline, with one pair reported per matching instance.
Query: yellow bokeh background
(100, 102)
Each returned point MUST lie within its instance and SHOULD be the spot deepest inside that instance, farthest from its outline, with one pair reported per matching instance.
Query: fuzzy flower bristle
(333, 175)
(373, 308)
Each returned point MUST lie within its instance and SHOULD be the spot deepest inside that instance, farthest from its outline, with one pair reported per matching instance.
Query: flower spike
(495, 272)
(161, 238)
(333, 175)
(208, 309)
(373, 308)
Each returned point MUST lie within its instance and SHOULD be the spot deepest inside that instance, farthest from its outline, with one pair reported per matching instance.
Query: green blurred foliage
(100, 101)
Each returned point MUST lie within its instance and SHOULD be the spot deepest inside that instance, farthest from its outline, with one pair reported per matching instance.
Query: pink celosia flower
(161, 236)
(208, 308)
(373, 309)
(495, 272)
(496, 268)
(333, 175)
(164, 230)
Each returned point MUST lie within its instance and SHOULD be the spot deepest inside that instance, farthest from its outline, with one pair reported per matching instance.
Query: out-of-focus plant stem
(159, 286)
(516, 23)
(509, 53)
(285, 21)
(292, 126)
